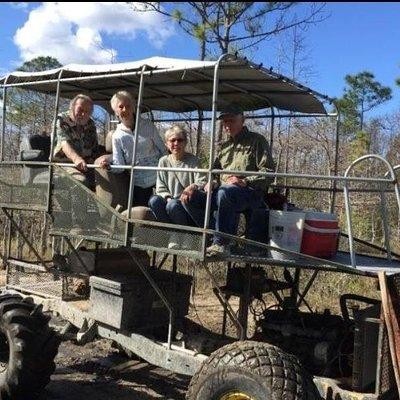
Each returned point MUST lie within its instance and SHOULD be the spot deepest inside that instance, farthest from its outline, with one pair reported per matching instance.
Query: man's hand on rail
(104, 161)
(80, 163)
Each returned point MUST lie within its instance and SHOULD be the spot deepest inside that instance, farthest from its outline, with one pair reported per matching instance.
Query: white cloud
(72, 32)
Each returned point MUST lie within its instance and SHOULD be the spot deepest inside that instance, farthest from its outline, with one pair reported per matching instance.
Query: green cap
(230, 109)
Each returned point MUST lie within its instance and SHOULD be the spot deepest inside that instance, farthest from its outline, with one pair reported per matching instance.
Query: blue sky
(355, 37)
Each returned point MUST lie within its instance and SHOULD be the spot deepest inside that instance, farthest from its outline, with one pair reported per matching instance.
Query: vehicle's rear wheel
(251, 371)
(27, 349)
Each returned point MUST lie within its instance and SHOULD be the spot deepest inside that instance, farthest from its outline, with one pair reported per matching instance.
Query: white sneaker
(173, 242)
(173, 245)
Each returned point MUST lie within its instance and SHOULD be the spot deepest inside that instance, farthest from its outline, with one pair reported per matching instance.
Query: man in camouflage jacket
(233, 193)
(76, 139)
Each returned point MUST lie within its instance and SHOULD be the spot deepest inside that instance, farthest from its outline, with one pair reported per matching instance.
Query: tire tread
(283, 372)
(33, 345)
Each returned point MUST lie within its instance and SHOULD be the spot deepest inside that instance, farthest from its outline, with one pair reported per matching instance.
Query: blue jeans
(227, 202)
(169, 212)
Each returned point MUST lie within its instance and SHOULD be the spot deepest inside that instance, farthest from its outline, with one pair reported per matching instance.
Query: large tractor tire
(27, 349)
(251, 370)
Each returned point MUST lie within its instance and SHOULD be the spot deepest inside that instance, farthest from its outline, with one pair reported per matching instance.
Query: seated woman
(149, 149)
(175, 188)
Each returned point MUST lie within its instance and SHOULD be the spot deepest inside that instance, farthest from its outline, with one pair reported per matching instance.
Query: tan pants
(112, 188)
(87, 178)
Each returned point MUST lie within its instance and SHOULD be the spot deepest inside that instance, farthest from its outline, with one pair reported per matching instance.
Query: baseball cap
(230, 109)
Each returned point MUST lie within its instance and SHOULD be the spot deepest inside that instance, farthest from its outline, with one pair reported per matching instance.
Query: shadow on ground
(97, 371)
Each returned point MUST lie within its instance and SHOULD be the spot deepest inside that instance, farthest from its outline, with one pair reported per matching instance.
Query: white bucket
(285, 232)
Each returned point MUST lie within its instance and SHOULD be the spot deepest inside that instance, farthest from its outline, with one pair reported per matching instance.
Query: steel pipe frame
(159, 293)
(52, 139)
(326, 189)
(336, 164)
(373, 246)
(212, 139)
(192, 69)
(134, 149)
(216, 68)
(333, 265)
(3, 120)
(130, 200)
(211, 151)
(306, 289)
(225, 304)
(26, 240)
(386, 228)
(211, 159)
(347, 199)
(7, 240)
(216, 171)
(258, 116)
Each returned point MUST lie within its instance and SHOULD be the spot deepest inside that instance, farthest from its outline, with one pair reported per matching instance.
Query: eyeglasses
(178, 140)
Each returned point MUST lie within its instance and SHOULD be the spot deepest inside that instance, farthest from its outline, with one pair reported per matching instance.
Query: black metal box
(129, 301)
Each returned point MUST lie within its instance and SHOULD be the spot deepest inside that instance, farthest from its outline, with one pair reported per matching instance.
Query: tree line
(301, 145)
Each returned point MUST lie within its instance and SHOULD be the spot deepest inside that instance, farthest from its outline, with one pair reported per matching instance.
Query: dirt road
(99, 372)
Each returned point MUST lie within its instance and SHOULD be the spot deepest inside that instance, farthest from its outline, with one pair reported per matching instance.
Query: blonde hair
(79, 96)
(121, 95)
(176, 130)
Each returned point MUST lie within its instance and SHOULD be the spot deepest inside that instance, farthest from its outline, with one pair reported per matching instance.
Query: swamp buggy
(295, 352)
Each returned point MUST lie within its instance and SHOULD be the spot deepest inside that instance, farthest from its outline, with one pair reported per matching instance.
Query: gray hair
(176, 130)
(121, 95)
(79, 96)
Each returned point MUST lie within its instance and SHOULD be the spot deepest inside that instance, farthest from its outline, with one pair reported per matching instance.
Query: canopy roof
(176, 85)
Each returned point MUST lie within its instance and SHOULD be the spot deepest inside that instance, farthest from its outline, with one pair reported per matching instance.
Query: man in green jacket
(233, 194)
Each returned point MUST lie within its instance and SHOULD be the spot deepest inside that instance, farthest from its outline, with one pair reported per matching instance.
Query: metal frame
(53, 134)
(383, 207)
(135, 140)
(20, 231)
(3, 121)
(211, 171)
(314, 262)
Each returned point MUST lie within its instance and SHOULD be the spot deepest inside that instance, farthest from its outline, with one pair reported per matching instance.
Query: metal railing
(210, 171)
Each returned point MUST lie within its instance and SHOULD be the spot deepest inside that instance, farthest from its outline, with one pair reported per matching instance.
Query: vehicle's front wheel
(251, 371)
(27, 349)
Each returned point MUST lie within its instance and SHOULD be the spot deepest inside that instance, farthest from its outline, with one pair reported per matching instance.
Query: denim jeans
(227, 202)
(169, 212)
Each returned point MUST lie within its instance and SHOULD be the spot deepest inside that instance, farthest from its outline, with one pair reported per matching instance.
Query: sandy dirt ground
(99, 371)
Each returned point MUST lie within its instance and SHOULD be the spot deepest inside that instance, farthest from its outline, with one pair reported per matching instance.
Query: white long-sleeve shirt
(150, 148)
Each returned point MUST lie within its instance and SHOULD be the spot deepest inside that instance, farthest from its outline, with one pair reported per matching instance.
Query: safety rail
(125, 238)
(383, 203)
